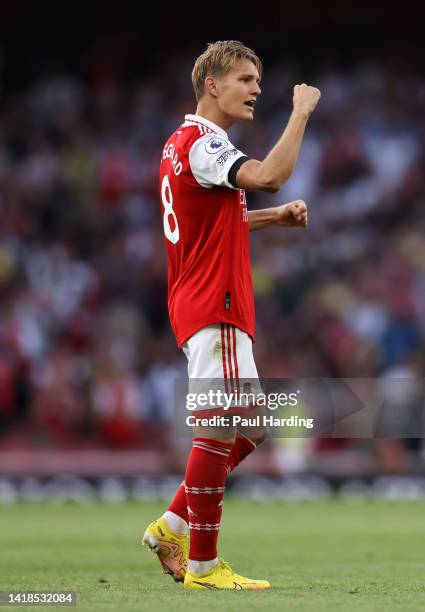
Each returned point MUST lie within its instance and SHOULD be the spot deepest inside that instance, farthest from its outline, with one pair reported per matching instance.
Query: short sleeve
(211, 159)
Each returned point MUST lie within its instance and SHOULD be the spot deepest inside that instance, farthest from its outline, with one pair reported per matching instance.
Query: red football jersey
(206, 231)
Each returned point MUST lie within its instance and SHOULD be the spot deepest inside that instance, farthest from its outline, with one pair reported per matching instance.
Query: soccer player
(203, 179)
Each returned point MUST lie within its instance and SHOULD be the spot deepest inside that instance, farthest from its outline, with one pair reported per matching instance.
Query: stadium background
(88, 96)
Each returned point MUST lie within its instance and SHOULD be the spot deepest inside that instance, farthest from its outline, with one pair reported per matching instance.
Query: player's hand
(293, 214)
(305, 98)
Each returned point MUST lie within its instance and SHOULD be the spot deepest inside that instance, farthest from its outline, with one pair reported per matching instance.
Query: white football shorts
(220, 357)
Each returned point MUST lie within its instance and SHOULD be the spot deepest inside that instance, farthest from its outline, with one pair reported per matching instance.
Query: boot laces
(224, 567)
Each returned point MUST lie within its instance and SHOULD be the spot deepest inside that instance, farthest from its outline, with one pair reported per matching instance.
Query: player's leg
(206, 474)
(210, 460)
(177, 514)
(206, 470)
(239, 362)
(207, 465)
(204, 484)
(174, 524)
(205, 478)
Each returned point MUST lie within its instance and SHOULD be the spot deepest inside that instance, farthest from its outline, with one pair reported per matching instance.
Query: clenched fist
(305, 98)
(293, 214)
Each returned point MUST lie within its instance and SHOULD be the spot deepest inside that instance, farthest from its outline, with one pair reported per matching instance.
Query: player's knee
(222, 434)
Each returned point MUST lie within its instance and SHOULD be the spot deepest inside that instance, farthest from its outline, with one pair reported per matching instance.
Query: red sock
(242, 447)
(179, 503)
(204, 484)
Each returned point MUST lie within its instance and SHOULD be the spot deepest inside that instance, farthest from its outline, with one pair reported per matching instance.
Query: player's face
(238, 90)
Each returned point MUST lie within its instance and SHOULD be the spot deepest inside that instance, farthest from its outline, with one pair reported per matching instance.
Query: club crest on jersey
(213, 145)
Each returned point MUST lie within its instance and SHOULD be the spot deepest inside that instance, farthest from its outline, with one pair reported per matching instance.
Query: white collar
(207, 123)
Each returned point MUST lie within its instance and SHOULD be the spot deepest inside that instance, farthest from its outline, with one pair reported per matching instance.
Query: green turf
(319, 556)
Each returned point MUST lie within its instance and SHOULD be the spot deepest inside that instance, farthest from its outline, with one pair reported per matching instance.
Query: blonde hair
(218, 59)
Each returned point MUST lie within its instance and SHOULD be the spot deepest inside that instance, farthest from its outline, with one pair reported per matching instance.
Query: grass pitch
(319, 556)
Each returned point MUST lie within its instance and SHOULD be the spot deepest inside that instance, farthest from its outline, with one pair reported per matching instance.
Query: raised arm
(276, 168)
(293, 214)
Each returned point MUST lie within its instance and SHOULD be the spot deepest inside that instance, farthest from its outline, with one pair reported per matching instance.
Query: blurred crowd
(87, 357)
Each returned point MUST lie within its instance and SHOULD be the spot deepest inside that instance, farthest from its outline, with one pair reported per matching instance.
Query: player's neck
(214, 114)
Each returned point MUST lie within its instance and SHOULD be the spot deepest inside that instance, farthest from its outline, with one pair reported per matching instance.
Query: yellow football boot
(223, 577)
(171, 548)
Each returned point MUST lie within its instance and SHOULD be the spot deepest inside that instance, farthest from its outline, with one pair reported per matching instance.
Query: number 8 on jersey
(172, 235)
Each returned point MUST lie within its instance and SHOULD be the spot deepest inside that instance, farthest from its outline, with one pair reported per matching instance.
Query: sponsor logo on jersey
(213, 145)
(221, 160)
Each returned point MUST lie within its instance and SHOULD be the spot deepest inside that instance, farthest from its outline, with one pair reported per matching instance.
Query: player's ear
(210, 86)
